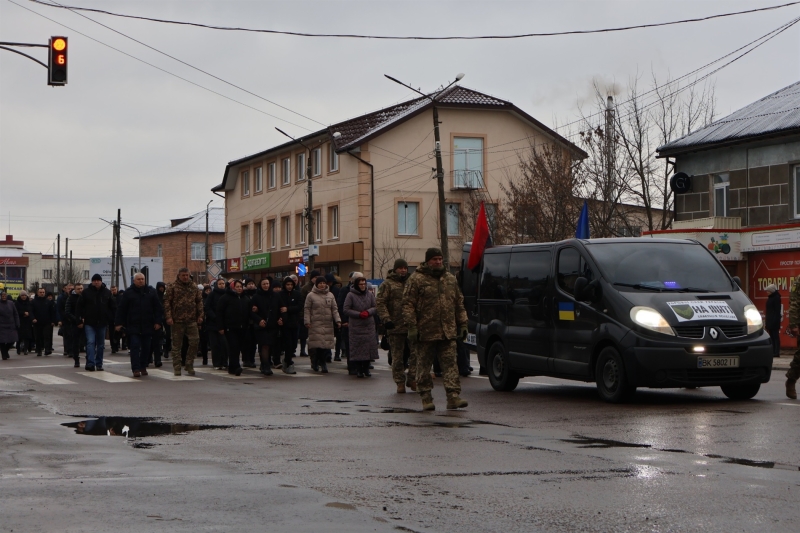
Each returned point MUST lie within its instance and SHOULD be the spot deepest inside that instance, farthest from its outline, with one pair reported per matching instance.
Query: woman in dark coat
(9, 323)
(219, 349)
(773, 319)
(233, 317)
(25, 311)
(360, 307)
(265, 316)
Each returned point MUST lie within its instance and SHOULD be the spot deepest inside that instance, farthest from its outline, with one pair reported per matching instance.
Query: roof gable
(194, 224)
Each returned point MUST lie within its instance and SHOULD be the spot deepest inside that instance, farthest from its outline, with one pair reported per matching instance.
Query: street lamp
(140, 249)
(310, 209)
(439, 169)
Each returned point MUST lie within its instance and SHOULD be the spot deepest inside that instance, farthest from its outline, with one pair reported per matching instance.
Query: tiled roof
(195, 224)
(772, 115)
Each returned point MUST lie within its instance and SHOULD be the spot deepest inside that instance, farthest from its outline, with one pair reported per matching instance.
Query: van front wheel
(741, 392)
(500, 375)
(612, 382)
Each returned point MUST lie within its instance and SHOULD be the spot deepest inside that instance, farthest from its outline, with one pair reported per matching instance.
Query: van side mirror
(738, 281)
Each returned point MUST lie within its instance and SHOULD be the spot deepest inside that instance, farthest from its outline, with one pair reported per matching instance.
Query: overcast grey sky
(124, 135)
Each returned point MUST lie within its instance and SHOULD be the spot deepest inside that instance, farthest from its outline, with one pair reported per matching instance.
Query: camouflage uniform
(183, 303)
(794, 321)
(390, 309)
(433, 303)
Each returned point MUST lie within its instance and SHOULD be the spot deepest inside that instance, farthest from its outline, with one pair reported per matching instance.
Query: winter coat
(266, 305)
(343, 292)
(44, 311)
(233, 311)
(61, 307)
(96, 307)
(71, 310)
(320, 313)
(9, 322)
(25, 322)
(433, 304)
(390, 303)
(210, 307)
(293, 302)
(773, 312)
(183, 302)
(139, 310)
(363, 340)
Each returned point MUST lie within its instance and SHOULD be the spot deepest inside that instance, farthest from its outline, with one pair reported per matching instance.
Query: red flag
(480, 241)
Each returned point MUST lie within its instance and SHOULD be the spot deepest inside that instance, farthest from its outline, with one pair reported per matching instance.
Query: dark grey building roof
(775, 115)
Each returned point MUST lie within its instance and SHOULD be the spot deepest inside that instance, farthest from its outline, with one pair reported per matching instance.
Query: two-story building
(744, 198)
(374, 195)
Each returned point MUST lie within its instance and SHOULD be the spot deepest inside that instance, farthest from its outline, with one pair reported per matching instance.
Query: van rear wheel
(500, 375)
(741, 392)
(612, 381)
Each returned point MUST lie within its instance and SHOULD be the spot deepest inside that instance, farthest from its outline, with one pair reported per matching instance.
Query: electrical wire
(422, 38)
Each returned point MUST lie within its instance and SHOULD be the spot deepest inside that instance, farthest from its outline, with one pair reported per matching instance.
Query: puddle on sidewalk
(133, 427)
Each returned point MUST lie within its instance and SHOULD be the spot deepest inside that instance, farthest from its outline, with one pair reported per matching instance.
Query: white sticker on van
(705, 310)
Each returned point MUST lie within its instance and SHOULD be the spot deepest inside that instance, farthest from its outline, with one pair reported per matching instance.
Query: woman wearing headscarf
(320, 317)
(233, 317)
(25, 311)
(9, 324)
(265, 317)
(360, 307)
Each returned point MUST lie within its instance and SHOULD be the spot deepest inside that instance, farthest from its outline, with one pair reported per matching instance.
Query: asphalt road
(336, 453)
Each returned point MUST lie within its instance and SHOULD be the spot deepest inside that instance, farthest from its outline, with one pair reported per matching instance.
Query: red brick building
(183, 243)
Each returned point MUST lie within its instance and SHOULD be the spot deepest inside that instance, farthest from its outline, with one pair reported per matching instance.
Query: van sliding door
(529, 323)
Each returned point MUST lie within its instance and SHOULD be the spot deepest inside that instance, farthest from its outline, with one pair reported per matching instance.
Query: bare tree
(390, 249)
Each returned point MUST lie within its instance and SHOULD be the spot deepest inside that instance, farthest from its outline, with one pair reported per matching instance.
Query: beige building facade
(374, 188)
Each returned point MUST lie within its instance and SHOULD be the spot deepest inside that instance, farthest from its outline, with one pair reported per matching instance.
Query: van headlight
(651, 319)
(753, 316)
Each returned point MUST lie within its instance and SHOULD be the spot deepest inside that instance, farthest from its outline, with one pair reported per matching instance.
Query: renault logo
(713, 333)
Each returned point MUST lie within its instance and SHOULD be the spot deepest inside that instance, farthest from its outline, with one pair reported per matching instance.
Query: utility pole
(67, 254)
(208, 262)
(439, 169)
(70, 263)
(59, 281)
(115, 281)
(113, 249)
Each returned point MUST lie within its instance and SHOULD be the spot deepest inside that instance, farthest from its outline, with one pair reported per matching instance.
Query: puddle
(588, 442)
(133, 427)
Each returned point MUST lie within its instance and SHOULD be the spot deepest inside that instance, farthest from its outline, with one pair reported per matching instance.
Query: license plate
(717, 362)
(471, 339)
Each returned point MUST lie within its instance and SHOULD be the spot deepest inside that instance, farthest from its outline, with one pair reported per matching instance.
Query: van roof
(587, 242)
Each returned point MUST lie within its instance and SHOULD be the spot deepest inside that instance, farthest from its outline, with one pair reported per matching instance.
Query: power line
(421, 38)
(159, 68)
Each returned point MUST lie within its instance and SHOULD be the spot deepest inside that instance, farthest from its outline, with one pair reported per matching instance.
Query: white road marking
(163, 374)
(108, 377)
(48, 379)
(221, 373)
(792, 404)
(105, 363)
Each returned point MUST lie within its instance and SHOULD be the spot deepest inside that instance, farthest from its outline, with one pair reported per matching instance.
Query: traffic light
(57, 61)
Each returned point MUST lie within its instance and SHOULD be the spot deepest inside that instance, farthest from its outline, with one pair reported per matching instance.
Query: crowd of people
(421, 316)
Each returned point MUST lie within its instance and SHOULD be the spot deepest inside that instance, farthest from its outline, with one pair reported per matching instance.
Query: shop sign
(295, 256)
(779, 269)
(771, 240)
(256, 261)
(235, 264)
(13, 261)
(726, 246)
(13, 286)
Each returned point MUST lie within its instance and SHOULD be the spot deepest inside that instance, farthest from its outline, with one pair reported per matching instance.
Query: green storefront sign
(256, 262)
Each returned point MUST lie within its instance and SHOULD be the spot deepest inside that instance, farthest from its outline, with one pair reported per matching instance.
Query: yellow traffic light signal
(57, 61)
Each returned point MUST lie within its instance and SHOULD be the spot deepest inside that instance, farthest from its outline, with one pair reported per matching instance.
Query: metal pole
(207, 253)
(440, 187)
(119, 249)
(68, 275)
(70, 266)
(113, 250)
(58, 265)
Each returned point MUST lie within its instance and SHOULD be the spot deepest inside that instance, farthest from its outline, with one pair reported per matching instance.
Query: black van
(624, 313)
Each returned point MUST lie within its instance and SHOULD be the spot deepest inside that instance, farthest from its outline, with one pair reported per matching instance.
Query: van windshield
(660, 266)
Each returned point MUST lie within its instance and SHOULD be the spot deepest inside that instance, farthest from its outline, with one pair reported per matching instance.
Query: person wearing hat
(434, 313)
(95, 306)
(9, 324)
(360, 307)
(183, 312)
(25, 312)
(390, 311)
(345, 347)
(320, 316)
(304, 291)
(773, 318)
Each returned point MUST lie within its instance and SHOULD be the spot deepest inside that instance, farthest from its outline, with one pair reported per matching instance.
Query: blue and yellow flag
(566, 310)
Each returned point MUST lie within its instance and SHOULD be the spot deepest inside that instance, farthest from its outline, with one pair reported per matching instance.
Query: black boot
(312, 353)
(323, 366)
(263, 355)
(359, 369)
(366, 366)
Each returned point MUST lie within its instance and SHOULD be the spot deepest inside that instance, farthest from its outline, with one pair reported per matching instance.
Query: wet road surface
(336, 453)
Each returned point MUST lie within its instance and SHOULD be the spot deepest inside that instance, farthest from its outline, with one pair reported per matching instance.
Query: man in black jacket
(115, 336)
(345, 333)
(290, 303)
(44, 317)
(157, 343)
(772, 322)
(61, 316)
(72, 323)
(95, 306)
(141, 314)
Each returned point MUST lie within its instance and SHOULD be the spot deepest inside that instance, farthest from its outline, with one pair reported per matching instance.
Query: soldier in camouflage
(183, 311)
(794, 324)
(390, 311)
(433, 311)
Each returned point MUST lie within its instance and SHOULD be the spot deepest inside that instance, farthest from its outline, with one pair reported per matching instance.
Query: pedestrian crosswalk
(163, 374)
(48, 379)
(108, 377)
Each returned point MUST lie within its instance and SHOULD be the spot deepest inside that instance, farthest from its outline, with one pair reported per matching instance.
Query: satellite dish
(680, 183)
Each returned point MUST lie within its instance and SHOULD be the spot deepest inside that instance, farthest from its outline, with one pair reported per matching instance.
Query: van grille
(739, 330)
(690, 332)
(714, 375)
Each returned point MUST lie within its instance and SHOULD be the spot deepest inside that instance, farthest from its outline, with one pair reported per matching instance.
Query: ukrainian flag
(566, 310)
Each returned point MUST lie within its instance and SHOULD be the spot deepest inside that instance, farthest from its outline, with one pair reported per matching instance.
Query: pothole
(133, 427)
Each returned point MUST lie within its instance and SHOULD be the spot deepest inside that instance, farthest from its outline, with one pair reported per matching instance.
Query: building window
(721, 187)
(626, 231)
(246, 183)
(301, 229)
(301, 167)
(246, 239)
(271, 178)
(333, 159)
(272, 240)
(468, 163)
(257, 243)
(796, 185)
(85, 274)
(286, 174)
(316, 162)
(218, 251)
(333, 220)
(259, 179)
(318, 226)
(453, 219)
(158, 251)
(198, 251)
(407, 218)
(47, 274)
(287, 232)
